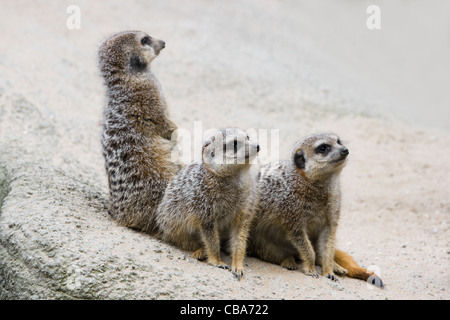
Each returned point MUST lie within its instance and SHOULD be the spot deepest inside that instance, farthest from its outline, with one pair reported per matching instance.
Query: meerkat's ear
(299, 159)
(208, 141)
(205, 144)
(138, 63)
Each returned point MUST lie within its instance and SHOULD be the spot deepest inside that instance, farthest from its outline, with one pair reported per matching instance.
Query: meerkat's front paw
(289, 263)
(312, 273)
(218, 263)
(237, 272)
(222, 265)
(332, 277)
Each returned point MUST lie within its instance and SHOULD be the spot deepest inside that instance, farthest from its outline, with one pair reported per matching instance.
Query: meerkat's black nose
(344, 151)
(257, 148)
(163, 44)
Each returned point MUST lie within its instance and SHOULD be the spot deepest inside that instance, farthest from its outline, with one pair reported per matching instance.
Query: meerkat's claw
(223, 266)
(290, 267)
(218, 263)
(312, 273)
(332, 277)
(238, 273)
(199, 255)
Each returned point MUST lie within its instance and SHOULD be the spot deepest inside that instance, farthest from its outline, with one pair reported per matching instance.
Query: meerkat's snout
(152, 44)
(343, 153)
(228, 148)
(252, 147)
(159, 46)
(251, 150)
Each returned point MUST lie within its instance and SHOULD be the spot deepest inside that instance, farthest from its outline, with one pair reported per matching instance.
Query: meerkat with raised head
(212, 201)
(299, 207)
(137, 131)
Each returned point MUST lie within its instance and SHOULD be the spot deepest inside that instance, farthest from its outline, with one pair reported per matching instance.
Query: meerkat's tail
(354, 270)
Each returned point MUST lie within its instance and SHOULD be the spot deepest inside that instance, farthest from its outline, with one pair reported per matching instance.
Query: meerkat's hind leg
(339, 270)
(199, 254)
(289, 263)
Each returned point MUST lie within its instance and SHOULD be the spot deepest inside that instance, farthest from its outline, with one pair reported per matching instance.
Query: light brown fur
(137, 132)
(211, 203)
(299, 207)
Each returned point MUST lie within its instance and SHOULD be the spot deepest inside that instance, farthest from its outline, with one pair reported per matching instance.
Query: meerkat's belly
(315, 225)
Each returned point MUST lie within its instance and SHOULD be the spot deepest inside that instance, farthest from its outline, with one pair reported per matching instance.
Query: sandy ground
(294, 66)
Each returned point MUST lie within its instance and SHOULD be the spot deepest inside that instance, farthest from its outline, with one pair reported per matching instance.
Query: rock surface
(249, 65)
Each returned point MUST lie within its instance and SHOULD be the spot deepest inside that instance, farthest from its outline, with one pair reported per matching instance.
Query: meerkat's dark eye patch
(235, 145)
(339, 142)
(299, 160)
(138, 63)
(323, 149)
(146, 41)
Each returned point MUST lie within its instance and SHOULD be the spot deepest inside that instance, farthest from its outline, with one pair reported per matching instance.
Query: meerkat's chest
(231, 199)
(323, 214)
(318, 218)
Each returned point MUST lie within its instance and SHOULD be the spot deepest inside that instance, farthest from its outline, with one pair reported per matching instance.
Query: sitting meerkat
(210, 202)
(298, 210)
(137, 131)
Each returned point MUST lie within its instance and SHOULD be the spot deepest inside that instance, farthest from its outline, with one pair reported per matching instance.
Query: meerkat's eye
(146, 41)
(299, 160)
(248, 138)
(323, 148)
(339, 142)
(235, 145)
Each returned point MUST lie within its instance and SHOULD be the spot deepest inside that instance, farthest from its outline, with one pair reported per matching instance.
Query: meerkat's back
(137, 132)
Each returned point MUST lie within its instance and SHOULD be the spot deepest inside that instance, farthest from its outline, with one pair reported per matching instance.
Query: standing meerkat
(137, 131)
(299, 208)
(211, 202)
